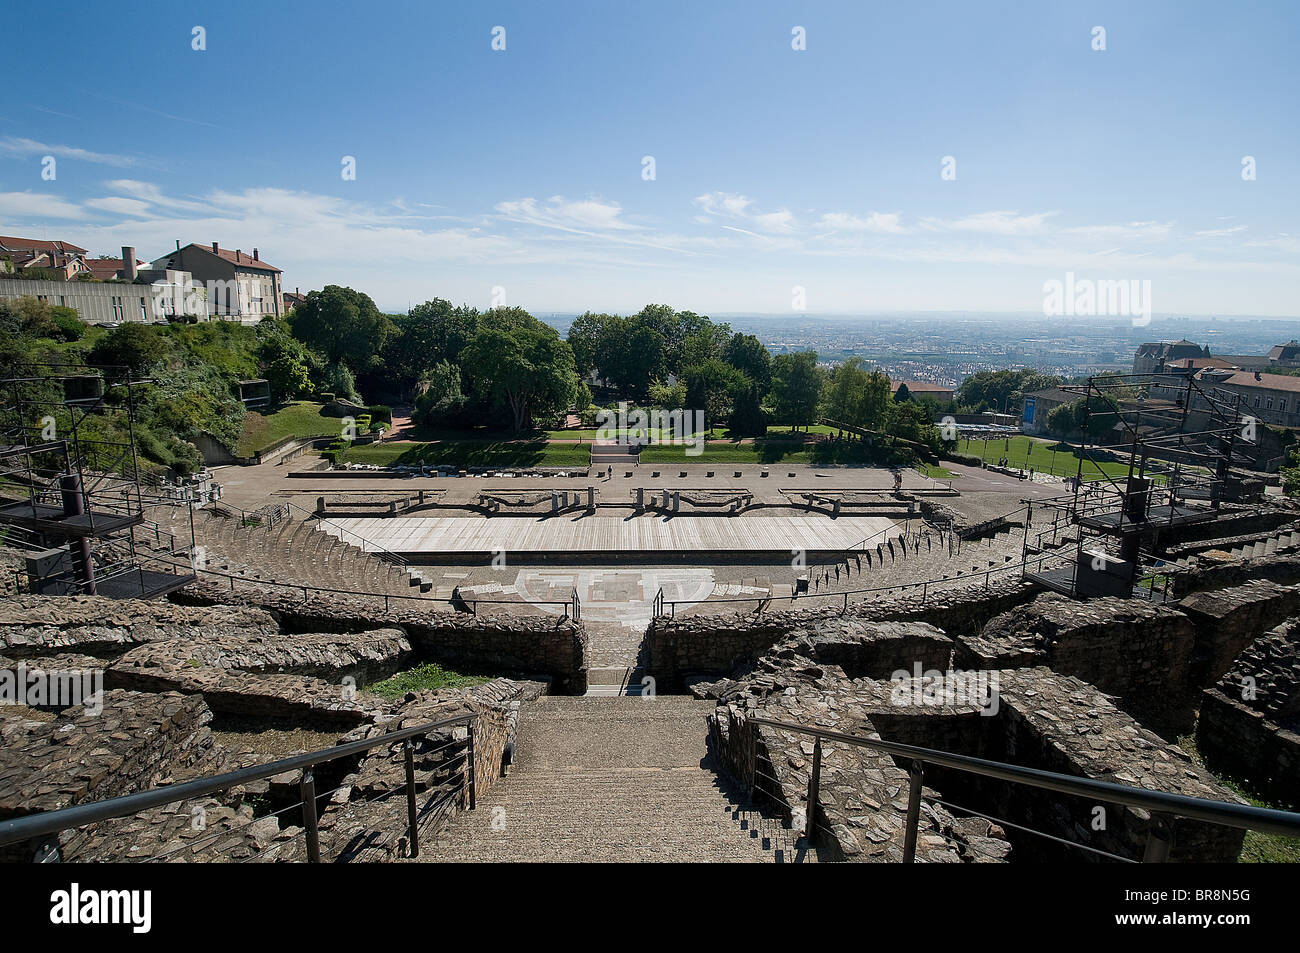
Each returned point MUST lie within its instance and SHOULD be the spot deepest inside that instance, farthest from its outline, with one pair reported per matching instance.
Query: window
(1281, 407)
(1256, 401)
(1269, 404)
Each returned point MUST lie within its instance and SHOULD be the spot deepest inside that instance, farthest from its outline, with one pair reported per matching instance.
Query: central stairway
(614, 779)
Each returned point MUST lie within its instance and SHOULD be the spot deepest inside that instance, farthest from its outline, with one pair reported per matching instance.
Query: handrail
(51, 822)
(1244, 816)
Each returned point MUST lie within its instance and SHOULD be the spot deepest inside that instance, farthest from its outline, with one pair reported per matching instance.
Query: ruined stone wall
(35, 625)
(1064, 725)
(1228, 620)
(1284, 570)
(716, 645)
(136, 742)
(1139, 652)
(1250, 719)
(497, 643)
(1038, 719)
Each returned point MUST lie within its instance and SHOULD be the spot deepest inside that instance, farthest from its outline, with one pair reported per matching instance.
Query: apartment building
(240, 287)
(127, 293)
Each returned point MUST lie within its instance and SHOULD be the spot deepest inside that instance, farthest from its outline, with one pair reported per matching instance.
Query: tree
(441, 402)
(136, 346)
(856, 396)
(747, 354)
(522, 364)
(433, 331)
(343, 325)
(40, 319)
(668, 395)
(288, 378)
(584, 335)
(339, 380)
(285, 361)
(711, 386)
(902, 394)
(1001, 391)
(747, 417)
(796, 388)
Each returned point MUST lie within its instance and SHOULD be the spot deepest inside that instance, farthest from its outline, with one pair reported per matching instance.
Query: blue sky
(774, 168)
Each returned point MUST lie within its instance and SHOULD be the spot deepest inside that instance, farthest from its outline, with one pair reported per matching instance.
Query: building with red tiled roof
(240, 286)
(105, 269)
(63, 259)
(8, 243)
(1273, 399)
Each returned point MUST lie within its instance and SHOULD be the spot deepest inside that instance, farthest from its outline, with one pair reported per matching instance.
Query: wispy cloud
(22, 148)
(38, 206)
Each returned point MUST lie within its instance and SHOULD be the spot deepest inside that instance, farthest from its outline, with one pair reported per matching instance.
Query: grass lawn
(300, 418)
(428, 677)
(933, 472)
(772, 450)
(1257, 848)
(473, 453)
(1028, 452)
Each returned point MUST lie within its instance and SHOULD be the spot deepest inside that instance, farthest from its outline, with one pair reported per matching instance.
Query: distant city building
(1270, 398)
(1156, 358)
(940, 392)
(1152, 358)
(240, 287)
(1038, 404)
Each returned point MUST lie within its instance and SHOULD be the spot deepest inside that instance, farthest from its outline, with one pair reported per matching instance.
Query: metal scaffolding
(1175, 441)
(74, 497)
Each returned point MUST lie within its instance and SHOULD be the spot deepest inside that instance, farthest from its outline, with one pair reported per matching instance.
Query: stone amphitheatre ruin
(687, 664)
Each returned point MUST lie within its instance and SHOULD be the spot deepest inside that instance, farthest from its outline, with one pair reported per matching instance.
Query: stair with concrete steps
(614, 779)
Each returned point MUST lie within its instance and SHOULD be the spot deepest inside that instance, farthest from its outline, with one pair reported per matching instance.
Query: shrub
(381, 413)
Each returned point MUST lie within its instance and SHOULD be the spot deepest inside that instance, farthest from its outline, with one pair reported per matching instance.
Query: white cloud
(1130, 232)
(37, 205)
(19, 147)
(119, 206)
(875, 222)
(716, 205)
(1219, 232)
(559, 213)
(994, 223)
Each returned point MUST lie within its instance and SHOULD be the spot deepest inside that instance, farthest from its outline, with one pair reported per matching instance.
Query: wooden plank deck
(595, 534)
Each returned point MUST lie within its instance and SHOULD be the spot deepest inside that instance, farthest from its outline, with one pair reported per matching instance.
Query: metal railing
(1163, 806)
(38, 828)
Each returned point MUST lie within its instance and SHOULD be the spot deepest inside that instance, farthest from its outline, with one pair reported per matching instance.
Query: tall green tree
(857, 396)
(796, 388)
(522, 364)
(747, 354)
(342, 325)
(711, 386)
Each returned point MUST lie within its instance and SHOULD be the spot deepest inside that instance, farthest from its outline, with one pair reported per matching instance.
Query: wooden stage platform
(651, 536)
